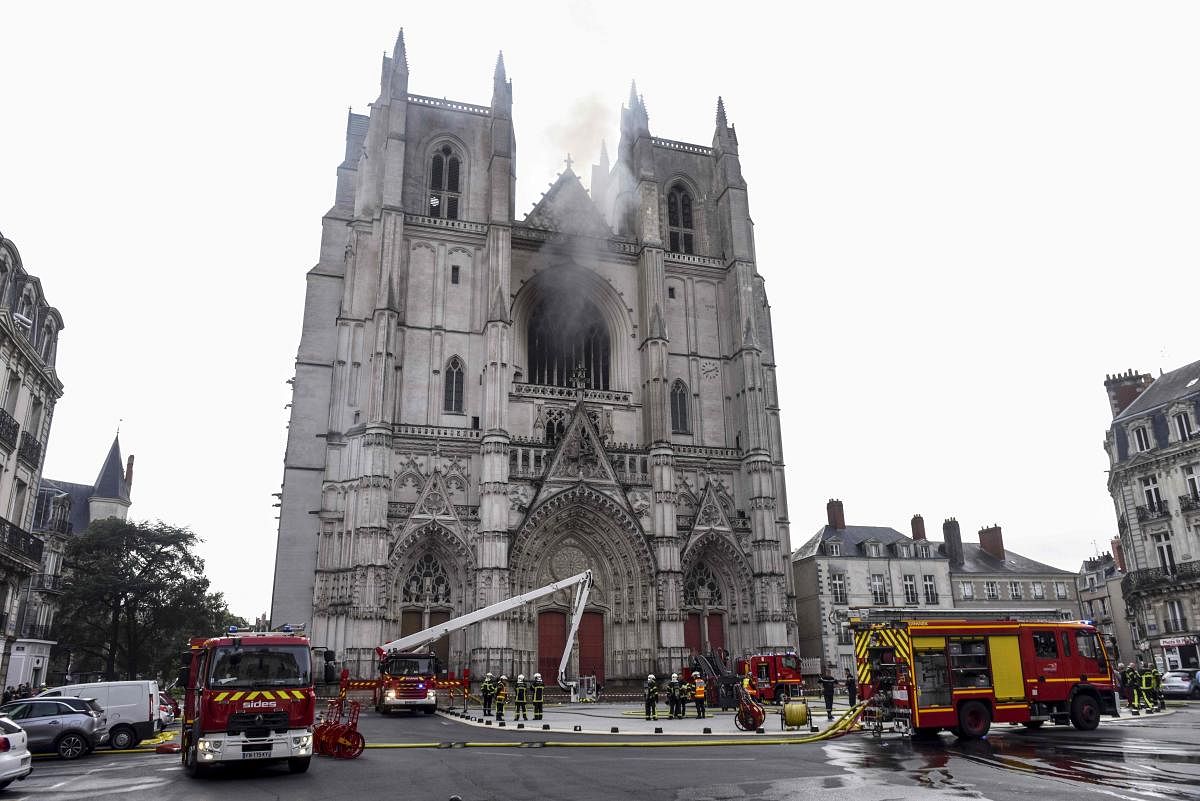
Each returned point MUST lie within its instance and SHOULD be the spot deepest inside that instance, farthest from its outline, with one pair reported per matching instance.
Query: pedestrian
(828, 683)
(851, 687)
(675, 696)
(701, 687)
(522, 698)
(9, 692)
(501, 697)
(651, 695)
(539, 695)
(487, 691)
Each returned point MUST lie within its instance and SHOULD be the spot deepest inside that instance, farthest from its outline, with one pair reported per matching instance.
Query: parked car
(52, 725)
(89, 705)
(1182, 683)
(15, 760)
(131, 708)
(165, 716)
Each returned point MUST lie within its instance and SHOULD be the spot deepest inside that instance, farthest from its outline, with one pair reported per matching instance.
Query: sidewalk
(629, 718)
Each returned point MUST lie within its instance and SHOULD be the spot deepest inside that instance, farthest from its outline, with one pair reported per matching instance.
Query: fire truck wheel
(1085, 713)
(191, 763)
(974, 720)
(429, 710)
(782, 696)
(1033, 724)
(299, 764)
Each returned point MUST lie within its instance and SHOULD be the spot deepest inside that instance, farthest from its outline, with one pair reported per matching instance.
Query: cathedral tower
(483, 405)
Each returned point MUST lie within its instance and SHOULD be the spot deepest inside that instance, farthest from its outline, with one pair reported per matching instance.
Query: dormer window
(923, 551)
(873, 549)
(444, 183)
(904, 551)
(1141, 439)
(1183, 426)
(833, 548)
(679, 220)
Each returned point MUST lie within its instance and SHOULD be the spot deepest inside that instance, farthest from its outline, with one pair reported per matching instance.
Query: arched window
(567, 336)
(679, 408)
(426, 580)
(679, 220)
(454, 386)
(444, 183)
(701, 580)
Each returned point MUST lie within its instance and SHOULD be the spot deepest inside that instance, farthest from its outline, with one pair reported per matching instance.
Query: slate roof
(1166, 388)
(977, 560)
(850, 537)
(111, 481)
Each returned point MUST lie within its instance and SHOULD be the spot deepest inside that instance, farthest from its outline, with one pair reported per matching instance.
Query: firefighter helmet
(521, 677)
(537, 676)
(674, 677)
(650, 677)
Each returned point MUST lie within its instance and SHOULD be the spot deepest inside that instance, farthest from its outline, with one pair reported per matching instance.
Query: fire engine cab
(963, 675)
(248, 695)
(776, 676)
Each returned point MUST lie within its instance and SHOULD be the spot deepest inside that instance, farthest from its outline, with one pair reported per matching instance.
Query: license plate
(255, 754)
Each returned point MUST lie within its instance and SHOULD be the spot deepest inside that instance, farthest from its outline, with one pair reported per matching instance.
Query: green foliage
(135, 592)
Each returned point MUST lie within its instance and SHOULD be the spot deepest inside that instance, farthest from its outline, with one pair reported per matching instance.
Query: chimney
(918, 527)
(992, 541)
(1118, 554)
(835, 515)
(129, 473)
(953, 538)
(1123, 389)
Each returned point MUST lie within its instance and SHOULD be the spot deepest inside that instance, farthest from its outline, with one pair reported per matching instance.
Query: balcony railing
(1152, 511)
(1175, 626)
(17, 540)
(45, 583)
(1152, 577)
(8, 430)
(1189, 502)
(33, 631)
(30, 451)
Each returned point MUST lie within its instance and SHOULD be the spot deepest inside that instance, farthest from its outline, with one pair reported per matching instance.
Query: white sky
(966, 213)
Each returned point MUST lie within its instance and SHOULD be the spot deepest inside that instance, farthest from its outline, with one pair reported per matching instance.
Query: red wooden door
(591, 646)
(691, 633)
(552, 638)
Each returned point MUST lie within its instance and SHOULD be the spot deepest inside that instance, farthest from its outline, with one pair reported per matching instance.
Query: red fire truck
(247, 696)
(408, 676)
(776, 676)
(962, 675)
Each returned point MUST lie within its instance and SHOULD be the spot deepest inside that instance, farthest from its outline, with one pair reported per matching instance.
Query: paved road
(1143, 760)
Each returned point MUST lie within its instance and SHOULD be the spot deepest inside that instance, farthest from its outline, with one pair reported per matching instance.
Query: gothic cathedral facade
(483, 405)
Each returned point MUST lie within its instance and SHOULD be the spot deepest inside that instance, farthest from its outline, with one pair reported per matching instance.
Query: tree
(135, 592)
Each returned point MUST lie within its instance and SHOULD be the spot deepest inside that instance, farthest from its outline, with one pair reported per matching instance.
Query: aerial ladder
(405, 650)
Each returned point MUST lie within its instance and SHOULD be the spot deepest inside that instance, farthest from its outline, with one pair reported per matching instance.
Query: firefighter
(699, 696)
(1129, 683)
(689, 693)
(675, 696)
(828, 683)
(538, 691)
(487, 691)
(1145, 687)
(522, 697)
(1156, 690)
(748, 686)
(851, 688)
(651, 693)
(501, 696)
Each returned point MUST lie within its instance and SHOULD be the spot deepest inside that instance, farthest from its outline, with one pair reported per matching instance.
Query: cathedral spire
(501, 88)
(399, 53)
(604, 164)
(633, 95)
(721, 121)
(499, 76)
(398, 79)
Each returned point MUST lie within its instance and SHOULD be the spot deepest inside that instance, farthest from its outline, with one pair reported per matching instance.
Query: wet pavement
(1142, 759)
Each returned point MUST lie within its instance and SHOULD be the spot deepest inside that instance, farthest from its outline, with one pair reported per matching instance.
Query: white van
(131, 708)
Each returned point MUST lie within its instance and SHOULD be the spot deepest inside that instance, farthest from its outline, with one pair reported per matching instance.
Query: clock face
(709, 369)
